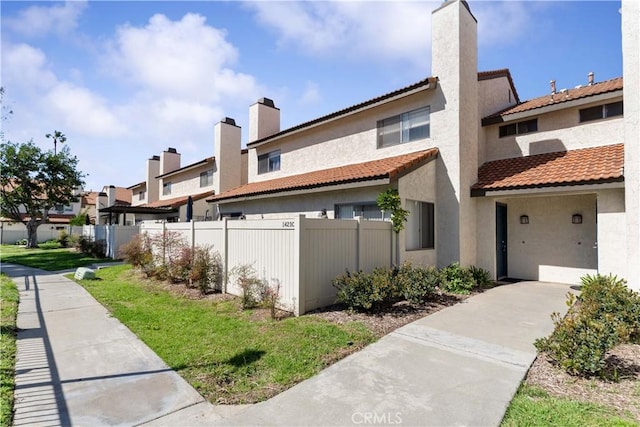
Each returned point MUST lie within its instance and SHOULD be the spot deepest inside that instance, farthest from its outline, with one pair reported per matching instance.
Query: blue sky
(125, 80)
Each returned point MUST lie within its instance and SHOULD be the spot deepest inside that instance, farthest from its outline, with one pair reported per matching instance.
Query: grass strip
(46, 259)
(230, 356)
(534, 407)
(9, 298)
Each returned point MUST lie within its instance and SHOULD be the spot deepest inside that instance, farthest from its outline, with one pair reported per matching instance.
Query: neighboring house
(165, 192)
(545, 189)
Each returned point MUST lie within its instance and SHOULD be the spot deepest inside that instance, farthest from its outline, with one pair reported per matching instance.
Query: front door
(501, 241)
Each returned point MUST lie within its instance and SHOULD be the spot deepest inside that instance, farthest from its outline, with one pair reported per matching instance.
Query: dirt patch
(389, 318)
(619, 387)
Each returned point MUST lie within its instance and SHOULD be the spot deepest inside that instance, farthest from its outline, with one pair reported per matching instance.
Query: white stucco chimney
(455, 126)
(264, 119)
(111, 195)
(153, 184)
(169, 161)
(101, 203)
(227, 171)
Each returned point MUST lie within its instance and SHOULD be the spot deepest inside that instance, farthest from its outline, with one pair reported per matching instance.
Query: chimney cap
(154, 158)
(172, 150)
(267, 101)
(112, 186)
(229, 121)
(102, 194)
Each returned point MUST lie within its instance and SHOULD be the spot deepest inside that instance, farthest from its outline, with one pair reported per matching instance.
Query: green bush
(88, 246)
(246, 278)
(21, 242)
(50, 244)
(366, 291)
(481, 277)
(137, 251)
(457, 279)
(417, 284)
(606, 314)
(63, 239)
(206, 269)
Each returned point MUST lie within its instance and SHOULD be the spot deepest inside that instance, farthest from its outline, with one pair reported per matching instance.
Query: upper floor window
(166, 188)
(601, 111)
(141, 194)
(206, 178)
(518, 128)
(406, 127)
(269, 162)
(65, 208)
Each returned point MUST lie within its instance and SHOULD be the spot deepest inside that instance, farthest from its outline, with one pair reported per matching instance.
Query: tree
(57, 136)
(389, 201)
(33, 181)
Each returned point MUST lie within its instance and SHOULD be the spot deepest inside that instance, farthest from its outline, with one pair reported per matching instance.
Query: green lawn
(534, 407)
(46, 259)
(227, 354)
(8, 311)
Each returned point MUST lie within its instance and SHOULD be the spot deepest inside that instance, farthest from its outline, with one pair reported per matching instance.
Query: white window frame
(269, 162)
(398, 129)
(208, 178)
(166, 188)
(421, 225)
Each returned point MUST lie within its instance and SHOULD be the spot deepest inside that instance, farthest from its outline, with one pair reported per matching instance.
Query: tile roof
(576, 167)
(391, 167)
(560, 97)
(176, 201)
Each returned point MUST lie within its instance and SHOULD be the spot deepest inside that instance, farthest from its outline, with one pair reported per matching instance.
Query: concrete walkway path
(460, 366)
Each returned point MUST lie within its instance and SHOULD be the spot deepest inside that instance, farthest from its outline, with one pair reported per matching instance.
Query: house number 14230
(288, 224)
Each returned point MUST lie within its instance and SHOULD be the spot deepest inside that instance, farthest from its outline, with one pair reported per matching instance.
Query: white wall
(612, 248)
(187, 182)
(551, 248)
(557, 131)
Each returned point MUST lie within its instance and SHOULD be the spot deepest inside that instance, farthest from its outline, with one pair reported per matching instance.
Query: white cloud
(311, 94)
(43, 20)
(185, 58)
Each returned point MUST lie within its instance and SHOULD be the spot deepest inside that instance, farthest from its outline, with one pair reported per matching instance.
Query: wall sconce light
(524, 219)
(576, 219)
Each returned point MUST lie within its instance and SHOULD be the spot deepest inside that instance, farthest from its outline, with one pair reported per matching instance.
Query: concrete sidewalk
(459, 366)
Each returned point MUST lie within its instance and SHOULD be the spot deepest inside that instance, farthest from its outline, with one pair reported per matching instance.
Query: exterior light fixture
(576, 219)
(524, 219)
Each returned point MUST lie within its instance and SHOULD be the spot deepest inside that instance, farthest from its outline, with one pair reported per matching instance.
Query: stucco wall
(486, 237)
(186, 183)
(352, 139)
(557, 131)
(494, 95)
(419, 185)
(550, 247)
(612, 239)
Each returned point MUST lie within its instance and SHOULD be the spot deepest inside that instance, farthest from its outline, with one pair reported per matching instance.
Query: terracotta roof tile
(391, 167)
(176, 201)
(575, 167)
(560, 97)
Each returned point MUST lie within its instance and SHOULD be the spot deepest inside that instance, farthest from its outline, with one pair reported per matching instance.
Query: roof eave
(512, 190)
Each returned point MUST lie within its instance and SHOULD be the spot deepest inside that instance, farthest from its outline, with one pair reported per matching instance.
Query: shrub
(366, 291)
(206, 269)
(606, 314)
(179, 264)
(271, 297)
(137, 251)
(417, 284)
(481, 277)
(50, 244)
(63, 239)
(96, 249)
(21, 242)
(246, 278)
(457, 279)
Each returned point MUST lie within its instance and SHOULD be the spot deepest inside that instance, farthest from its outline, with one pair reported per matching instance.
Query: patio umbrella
(189, 209)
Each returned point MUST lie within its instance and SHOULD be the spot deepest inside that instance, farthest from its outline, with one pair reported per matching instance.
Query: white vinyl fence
(303, 254)
(10, 235)
(113, 236)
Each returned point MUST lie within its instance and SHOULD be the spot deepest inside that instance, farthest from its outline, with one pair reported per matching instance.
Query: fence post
(193, 235)
(359, 243)
(225, 256)
(299, 266)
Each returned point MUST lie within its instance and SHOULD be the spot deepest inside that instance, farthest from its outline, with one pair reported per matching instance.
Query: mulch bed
(619, 386)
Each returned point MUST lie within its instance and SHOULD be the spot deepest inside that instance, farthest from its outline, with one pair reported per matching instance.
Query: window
(368, 210)
(166, 188)
(406, 127)
(142, 194)
(269, 162)
(518, 128)
(61, 209)
(601, 111)
(420, 229)
(206, 178)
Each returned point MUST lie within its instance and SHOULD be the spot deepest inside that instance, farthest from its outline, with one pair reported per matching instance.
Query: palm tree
(57, 137)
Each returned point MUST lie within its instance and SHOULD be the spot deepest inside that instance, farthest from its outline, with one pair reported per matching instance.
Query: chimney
(153, 184)
(111, 195)
(264, 119)
(101, 203)
(590, 76)
(553, 87)
(227, 147)
(169, 161)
